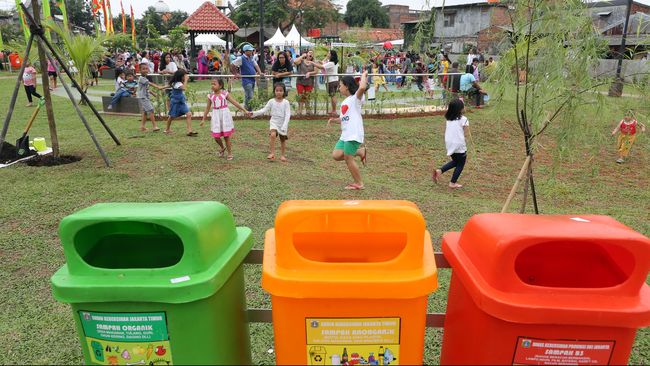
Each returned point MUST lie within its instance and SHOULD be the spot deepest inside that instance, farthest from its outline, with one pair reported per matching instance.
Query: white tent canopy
(277, 39)
(295, 39)
(208, 40)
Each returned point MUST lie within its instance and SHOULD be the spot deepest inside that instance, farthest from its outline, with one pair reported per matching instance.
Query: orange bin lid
(580, 270)
(349, 249)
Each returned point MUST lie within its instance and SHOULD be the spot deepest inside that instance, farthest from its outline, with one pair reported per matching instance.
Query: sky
(139, 6)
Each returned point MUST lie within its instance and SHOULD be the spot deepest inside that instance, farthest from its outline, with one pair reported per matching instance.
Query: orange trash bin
(535, 290)
(349, 282)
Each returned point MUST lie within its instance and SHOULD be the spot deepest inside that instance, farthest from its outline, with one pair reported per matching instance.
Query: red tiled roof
(209, 18)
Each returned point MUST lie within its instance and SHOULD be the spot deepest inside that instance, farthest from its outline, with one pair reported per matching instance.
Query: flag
(47, 14)
(105, 14)
(23, 21)
(110, 17)
(133, 28)
(123, 18)
(64, 13)
(96, 6)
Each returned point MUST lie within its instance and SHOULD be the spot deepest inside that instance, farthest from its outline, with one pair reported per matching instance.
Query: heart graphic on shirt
(344, 109)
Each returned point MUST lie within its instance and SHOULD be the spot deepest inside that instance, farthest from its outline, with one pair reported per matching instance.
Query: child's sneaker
(620, 160)
(110, 106)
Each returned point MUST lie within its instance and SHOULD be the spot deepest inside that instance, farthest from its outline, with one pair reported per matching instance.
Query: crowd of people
(462, 84)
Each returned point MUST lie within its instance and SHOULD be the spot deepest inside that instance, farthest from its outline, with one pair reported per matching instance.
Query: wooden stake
(14, 96)
(520, 177)
(46, 84)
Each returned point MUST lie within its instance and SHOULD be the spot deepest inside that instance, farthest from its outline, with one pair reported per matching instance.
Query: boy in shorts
(143, 98)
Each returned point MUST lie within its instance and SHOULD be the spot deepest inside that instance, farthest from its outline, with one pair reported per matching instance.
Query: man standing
(248, 69)
(305, 84)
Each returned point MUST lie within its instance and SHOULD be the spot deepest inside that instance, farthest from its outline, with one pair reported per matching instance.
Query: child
(120, 79)
(143, 98)
(626, 139)
(347, 148)
(29, 81)
(280, 111)
(457, 125)
(51, 73)
(178, 103)
(127, 89)
(221, 124)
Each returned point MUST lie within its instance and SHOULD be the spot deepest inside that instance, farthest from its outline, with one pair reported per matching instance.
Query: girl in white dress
(280, 111)
(221, 124)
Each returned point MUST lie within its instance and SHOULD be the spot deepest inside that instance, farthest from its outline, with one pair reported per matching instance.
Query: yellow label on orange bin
(353, 341)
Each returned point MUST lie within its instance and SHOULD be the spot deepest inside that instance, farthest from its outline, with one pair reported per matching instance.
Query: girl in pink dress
(222, 124)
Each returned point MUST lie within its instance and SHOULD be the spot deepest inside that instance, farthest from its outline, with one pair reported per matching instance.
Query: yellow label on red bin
(353, 341)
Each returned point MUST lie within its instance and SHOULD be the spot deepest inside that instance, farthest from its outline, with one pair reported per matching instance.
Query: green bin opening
(128, 244)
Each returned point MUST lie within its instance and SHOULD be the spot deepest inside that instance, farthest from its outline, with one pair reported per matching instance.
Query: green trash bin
(156, 283)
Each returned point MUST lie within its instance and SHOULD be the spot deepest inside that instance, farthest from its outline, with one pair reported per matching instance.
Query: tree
(553, 48)
(316, 13)
(176, 18)
(142, 28)
(79, 14)
(247, 13)
(358, 11)
(281, 13)
(177, 37)
(82, 49)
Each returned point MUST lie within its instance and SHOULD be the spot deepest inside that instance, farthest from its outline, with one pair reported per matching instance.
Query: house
(469, 24)
(399, 14)
(609, 18)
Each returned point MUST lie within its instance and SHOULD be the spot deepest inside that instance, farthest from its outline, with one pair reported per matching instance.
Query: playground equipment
(349, 282)
(158, 282)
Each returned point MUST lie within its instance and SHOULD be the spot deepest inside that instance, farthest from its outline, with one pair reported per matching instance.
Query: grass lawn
(150, 167)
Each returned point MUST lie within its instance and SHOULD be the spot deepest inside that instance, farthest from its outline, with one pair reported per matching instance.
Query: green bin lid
(150, 252)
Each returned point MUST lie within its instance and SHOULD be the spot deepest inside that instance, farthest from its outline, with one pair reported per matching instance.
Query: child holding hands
(352, 135)
(222, 124)
(178, 102)
(280, 111)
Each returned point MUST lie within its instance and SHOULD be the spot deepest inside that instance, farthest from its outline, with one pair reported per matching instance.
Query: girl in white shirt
(331, 67)
(280, 111)
(352, 135)
(457, 125)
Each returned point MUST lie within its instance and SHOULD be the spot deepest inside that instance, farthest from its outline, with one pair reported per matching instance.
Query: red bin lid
(562, 269)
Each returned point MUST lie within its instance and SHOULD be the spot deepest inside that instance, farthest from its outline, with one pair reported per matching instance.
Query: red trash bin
(529, 289)
(15, 60)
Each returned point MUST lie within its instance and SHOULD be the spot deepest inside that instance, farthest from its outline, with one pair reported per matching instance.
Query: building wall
(617, 13)
(399, 14)
(467, 21)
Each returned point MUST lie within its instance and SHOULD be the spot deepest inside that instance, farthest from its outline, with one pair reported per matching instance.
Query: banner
(95, 7)
(105, 14)
(64, 12)
(123, 18)
(132, 28)
(110, 18)
(22, 20)
(47, 14)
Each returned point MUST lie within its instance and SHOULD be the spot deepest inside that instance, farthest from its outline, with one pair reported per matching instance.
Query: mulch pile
(49, 160)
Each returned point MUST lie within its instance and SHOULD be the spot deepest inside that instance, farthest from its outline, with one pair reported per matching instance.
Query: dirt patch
(9, 153)
(49, 160)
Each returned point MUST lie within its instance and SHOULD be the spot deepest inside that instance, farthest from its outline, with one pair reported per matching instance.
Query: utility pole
(260, 59)
(616, 89)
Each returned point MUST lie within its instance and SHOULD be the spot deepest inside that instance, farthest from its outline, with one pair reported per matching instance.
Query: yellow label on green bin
(350, 341)
(127, 338)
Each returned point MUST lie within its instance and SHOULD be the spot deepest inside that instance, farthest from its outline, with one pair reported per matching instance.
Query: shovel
(22, 144)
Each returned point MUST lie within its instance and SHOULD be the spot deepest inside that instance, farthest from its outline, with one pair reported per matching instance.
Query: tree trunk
(46, 85)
